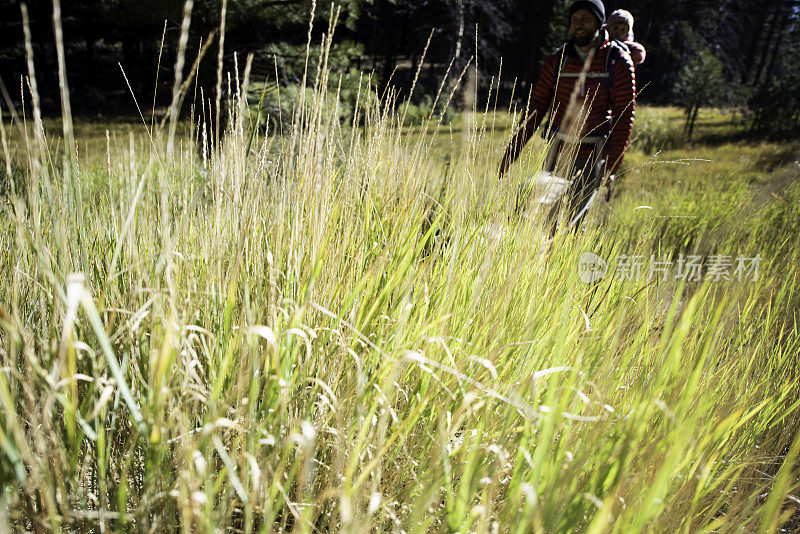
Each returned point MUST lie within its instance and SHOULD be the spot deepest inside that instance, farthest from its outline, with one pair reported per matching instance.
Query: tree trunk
(776, 46)
(766, 48)
(692, 121)
(460, 33)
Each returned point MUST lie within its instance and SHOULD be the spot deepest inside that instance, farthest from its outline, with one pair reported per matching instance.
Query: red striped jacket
(605, 111)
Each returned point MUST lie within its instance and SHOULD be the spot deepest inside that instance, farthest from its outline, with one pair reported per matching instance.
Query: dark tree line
(755, 42)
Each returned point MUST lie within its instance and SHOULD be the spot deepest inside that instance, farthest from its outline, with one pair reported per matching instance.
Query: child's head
(620, 25)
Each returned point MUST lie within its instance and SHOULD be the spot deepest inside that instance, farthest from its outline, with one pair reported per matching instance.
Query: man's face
(583, 27)
(618, 30)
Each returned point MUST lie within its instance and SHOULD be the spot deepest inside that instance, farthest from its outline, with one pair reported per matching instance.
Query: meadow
(335, 328)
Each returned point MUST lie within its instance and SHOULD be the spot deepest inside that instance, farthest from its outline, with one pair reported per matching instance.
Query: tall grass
(331, 329)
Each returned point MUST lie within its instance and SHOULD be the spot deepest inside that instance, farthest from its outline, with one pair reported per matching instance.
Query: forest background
(737, 54)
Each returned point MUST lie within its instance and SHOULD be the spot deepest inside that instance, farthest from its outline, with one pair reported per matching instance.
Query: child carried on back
(620, 27)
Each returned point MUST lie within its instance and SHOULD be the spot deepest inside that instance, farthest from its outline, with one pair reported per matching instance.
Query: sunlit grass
(351, 329)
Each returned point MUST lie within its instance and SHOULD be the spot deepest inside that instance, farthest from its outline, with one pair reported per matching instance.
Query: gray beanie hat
(595, 7)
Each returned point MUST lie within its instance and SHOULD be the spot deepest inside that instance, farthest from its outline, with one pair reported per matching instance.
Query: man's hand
(607, 183)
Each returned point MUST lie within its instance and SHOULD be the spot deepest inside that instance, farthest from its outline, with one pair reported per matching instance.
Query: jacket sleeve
(623, 103)
(638, 52)
(540, 99)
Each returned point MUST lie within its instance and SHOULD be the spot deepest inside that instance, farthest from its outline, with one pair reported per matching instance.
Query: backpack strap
(614, 53)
